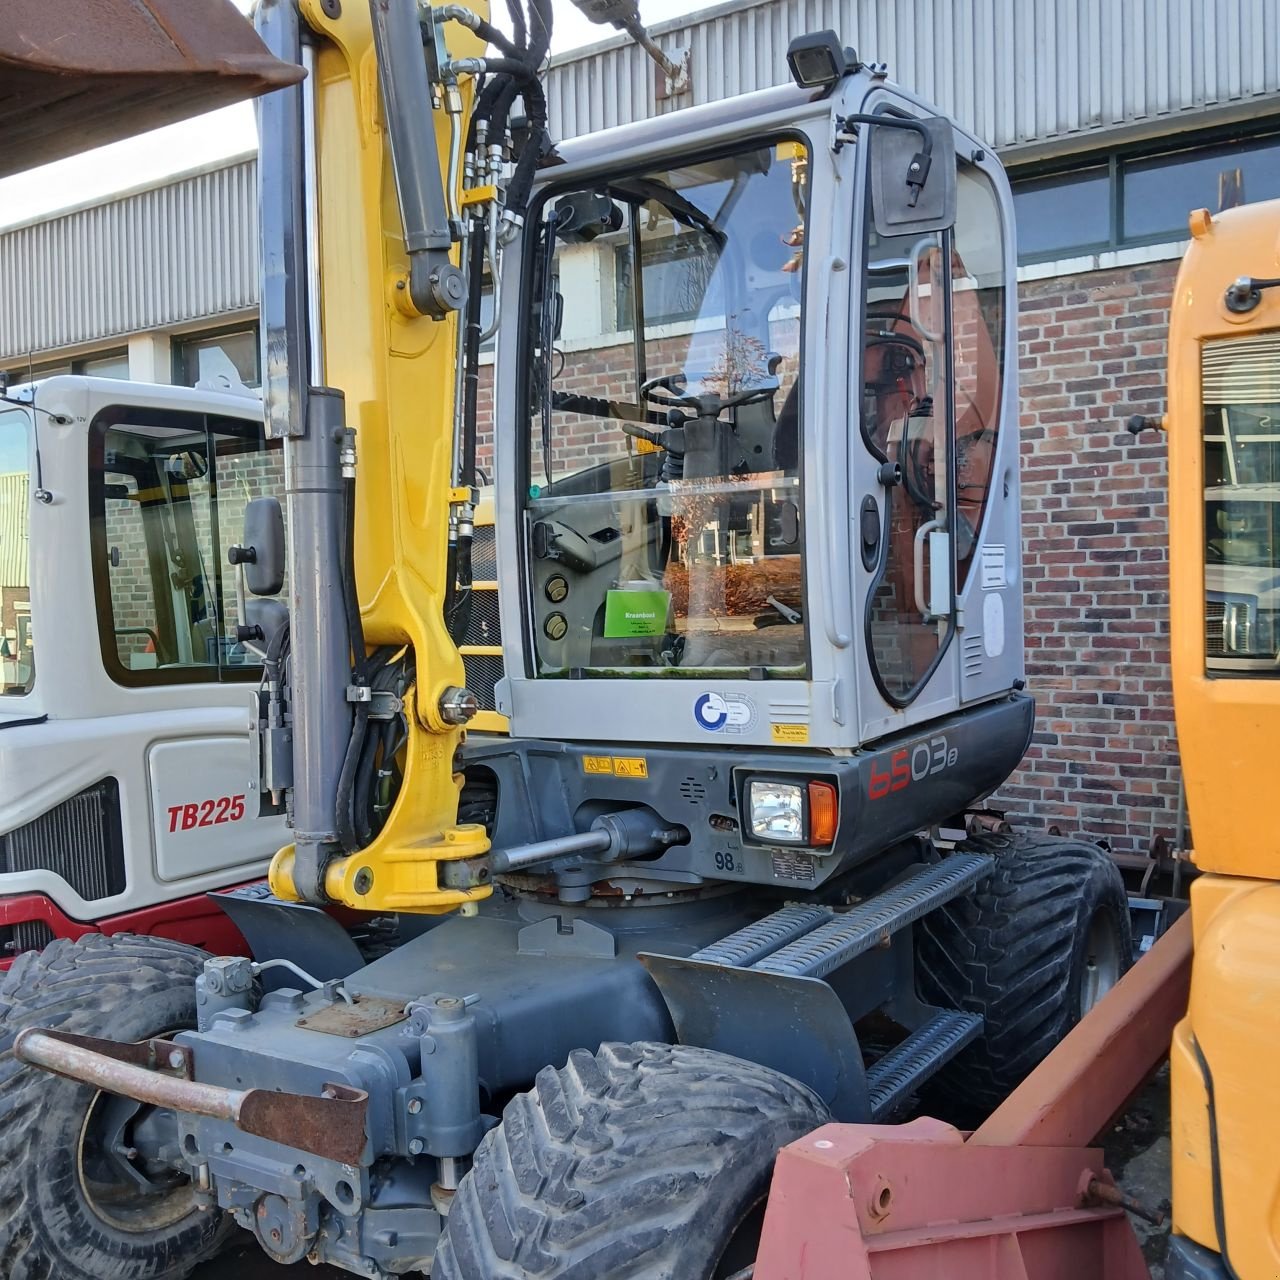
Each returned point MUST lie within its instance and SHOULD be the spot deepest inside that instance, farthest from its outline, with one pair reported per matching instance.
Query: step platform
(761, 993)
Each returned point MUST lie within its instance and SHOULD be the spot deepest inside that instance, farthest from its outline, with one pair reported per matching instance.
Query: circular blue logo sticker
(710, 711)
(724, 712)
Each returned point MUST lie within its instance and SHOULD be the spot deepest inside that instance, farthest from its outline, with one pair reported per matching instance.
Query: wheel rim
(1101, 961)
(136, 1192)
(743, 1244)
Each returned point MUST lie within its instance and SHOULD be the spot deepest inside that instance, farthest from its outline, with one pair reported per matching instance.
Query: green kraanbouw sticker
(635, 613)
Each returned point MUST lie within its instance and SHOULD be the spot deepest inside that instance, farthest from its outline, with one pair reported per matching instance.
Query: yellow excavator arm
(396, 368)
(389, 186)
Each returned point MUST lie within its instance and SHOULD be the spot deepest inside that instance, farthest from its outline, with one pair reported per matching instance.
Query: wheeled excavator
(126, 753)
(756, 496)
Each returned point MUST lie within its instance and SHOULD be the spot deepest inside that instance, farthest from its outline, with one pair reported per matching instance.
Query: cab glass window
(17, 640)
(1241, 387)
(977, 352)
(167, 494)
(662, 510)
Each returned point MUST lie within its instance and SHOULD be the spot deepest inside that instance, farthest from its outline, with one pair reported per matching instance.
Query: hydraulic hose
(521, 184)
(471, 359)
(491, 35)
(343, 822)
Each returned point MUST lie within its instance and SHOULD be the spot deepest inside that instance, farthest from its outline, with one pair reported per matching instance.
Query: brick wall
(241, 477)
(1095, 540)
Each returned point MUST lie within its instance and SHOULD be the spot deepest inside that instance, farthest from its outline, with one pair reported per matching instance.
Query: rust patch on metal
(351, 1021)
(124, 1070)
(76, 75)
(331, 1126)
(152, 1055)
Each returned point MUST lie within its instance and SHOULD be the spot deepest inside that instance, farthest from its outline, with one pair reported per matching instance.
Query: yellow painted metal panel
(1231, 1021)
(396, 370)
(1227, 725)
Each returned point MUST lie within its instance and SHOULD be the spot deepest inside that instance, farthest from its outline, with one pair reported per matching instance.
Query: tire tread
(626, 1144)
(78, 986)
(1007, 951)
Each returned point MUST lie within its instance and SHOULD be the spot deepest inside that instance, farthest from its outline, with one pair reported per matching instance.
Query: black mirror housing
(264, 539)
(263, 619)
(901, 203)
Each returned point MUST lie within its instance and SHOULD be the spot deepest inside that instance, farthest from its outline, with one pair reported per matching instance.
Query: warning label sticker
(789, 734)
(616, 766)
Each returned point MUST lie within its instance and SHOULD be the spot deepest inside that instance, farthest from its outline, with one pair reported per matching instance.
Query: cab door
(932, 329)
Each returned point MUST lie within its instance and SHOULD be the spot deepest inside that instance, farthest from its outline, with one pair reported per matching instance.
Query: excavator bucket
(76, 75)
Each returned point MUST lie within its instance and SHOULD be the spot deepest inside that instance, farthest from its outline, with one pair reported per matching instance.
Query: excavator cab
(694, 420)
(763, 487)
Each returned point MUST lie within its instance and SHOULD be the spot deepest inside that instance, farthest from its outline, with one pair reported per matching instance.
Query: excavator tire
(1032, 949)
(60, 1218)
(642, 1160)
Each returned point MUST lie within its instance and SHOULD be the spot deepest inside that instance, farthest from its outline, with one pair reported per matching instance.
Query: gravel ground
(1137, 1154)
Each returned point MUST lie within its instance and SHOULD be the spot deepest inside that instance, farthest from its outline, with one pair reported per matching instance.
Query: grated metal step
(845, 935)
(903, 1069)
(755, 941)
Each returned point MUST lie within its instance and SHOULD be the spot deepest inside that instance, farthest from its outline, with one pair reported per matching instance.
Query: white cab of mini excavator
(127, 669)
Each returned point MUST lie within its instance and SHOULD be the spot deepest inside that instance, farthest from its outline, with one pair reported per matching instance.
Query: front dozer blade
(76, 75)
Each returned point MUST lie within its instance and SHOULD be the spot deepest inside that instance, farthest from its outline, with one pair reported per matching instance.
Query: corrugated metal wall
(13, 530)
(1025, 75)
(1016, 72)
(182, 252)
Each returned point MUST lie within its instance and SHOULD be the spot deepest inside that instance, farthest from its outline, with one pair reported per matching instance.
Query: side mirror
(262, 619)
(901, 203)
(262, 553)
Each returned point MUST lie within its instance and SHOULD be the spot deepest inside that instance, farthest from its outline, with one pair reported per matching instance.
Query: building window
(1063, 212)
(17, 651)
(226, 359)
(1160, 192)
(114, 364)
(101, 364)
(1137, 197)
(679, 284)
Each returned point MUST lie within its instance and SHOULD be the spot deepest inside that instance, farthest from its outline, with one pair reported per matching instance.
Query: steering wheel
(890, 338)
(672, 386)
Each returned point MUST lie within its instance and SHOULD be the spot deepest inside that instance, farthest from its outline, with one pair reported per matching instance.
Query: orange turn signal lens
(824, 809)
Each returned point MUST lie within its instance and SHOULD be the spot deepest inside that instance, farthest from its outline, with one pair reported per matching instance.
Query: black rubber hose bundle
(343, 821)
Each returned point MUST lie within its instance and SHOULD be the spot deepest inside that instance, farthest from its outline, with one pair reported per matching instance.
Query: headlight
(777, 811)
(1237, 627)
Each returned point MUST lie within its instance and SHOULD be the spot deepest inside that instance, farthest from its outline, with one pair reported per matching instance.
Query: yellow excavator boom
(396, 368)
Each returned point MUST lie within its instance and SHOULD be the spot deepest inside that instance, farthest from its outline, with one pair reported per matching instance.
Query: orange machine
(1224, 506)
